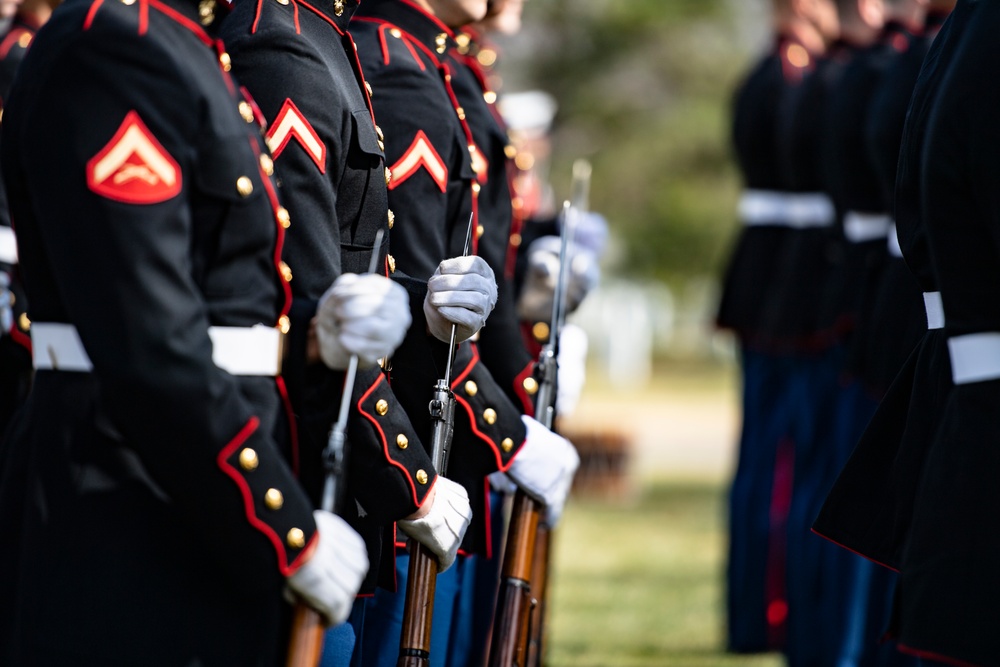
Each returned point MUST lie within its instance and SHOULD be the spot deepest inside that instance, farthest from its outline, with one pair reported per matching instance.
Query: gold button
(296, 538)
(286, 272)
(487, 57)
(524, 161)
(530, 385)
(24, 40)
(515, 240)
(510, 151)
(244, 186)
(225, 61)
(471, 388)
(128, 2)
(395, 32)
(490, 416)
(273, 499)
(422, 476)
(402, 441)
(461, 113)
(382, 406)
(476, 187)
(392, 217)
(480, 230)
(24, 322)
(282, 2)
(246, 111)
(392, 263)
(267, 164)
(447, 77)
(248, 459)
(517, 203)
(388, 175)
(507, 444)
(284, 324)
(338, 7)
(284, 218)
(206, 11)
(540, 331)
(490, 97)
(368, 87)
(441, 42)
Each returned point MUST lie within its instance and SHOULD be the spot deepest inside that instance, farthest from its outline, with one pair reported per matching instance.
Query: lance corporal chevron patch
(290, 124)
(133, 167)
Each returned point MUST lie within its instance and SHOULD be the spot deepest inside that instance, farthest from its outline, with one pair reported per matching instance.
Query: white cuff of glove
(463, 292)
(366, 315)
(544, 468)
(501, 483)
(572, 364)
(332, 576)
(443, 528)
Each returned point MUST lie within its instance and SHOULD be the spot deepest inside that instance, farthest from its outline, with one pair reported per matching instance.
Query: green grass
(640, 585)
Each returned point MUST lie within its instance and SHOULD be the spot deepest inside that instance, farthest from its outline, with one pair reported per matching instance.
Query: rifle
(418, 609)
(308, 629)
(545, 408)
(518, 598)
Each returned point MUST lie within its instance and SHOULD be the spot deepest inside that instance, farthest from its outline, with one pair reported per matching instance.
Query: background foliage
(644, 90)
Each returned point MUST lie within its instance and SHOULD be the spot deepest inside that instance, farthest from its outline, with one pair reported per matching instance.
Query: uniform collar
(411, 18)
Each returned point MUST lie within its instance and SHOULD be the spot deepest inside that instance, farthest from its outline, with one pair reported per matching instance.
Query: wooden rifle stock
(539, 589)
(511, 625)
(421, 583)
(305, 646)
(415, 641)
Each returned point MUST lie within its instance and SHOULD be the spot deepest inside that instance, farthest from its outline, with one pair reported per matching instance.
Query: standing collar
(414, 20)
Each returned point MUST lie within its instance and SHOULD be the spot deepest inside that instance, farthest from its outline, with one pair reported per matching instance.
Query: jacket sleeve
(125, 277)
(310, 139)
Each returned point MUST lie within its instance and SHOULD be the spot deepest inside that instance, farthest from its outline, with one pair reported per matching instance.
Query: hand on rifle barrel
(442, 528)
(535, 302)
(332, 576)
(544, 468)
(366, 315)
(462, 292)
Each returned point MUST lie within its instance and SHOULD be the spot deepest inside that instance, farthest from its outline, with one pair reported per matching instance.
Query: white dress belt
(861, 227)
(798, 210)
(892, 242)
(934, 308)
(252, 350)
(975, 357)
(8, 246)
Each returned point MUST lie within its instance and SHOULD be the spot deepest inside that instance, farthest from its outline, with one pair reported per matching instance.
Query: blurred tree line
(644, 90)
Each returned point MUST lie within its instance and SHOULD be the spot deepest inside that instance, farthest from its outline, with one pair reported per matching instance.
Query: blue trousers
(758, 507)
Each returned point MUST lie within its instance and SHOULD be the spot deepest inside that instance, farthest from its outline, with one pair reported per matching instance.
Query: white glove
(330, 579)
(591, 232)
(441, 530)
(6, 304)
(463, 292)
(535, 302)
(544, 468)
(366, 315)
(572, 365)
(501, 483)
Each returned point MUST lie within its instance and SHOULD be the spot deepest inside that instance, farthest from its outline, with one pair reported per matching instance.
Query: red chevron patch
(421, 153)
(480, 164)
(133, 167)
(290, 124)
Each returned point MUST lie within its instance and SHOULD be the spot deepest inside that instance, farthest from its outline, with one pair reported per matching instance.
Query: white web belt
(934, 308)
(8, 246)
(975, 357)
(861, 227)
(799, 210)
(252, 350)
